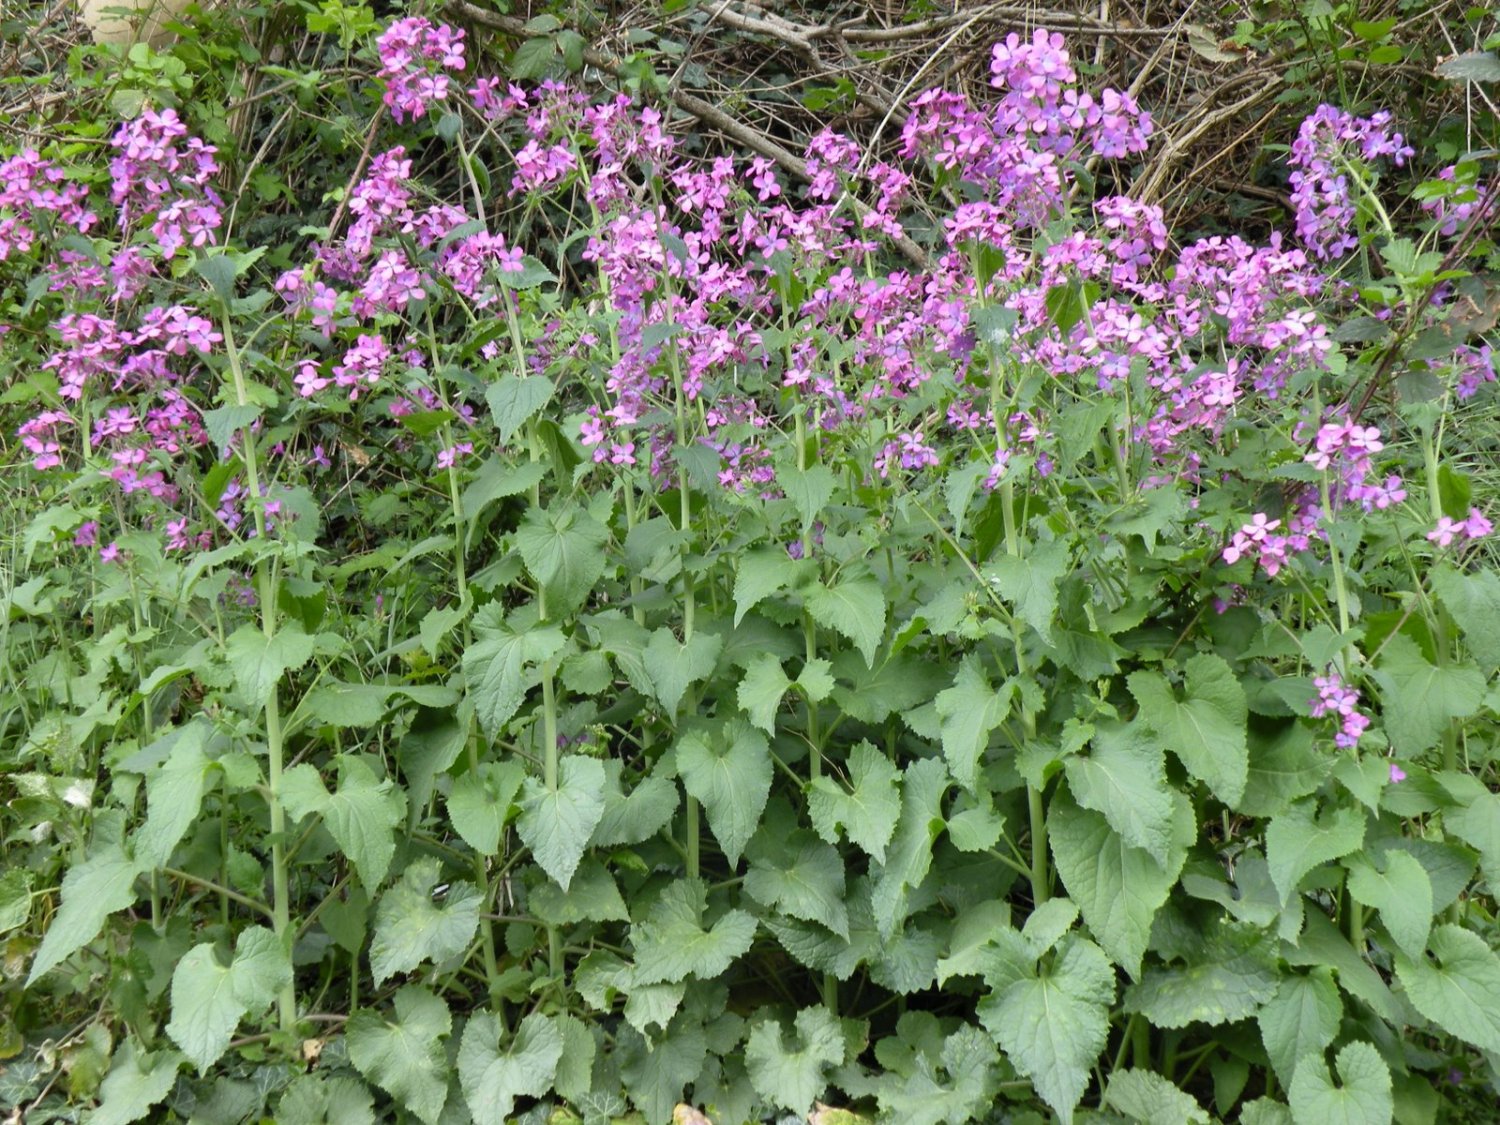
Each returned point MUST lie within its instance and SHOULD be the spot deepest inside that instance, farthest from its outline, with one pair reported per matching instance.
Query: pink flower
(1397, 774)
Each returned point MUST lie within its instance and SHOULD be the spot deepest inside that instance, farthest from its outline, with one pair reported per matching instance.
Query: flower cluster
(1335, 697)
(1332, 152)
(414, 59)
(1474, 526)
(161, 174)
(32, 188)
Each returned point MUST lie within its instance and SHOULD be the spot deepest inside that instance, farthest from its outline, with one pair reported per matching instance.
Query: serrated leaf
(405, 1058)
(1206, 727)
(1474, 601)
(1420, 698)
(556, 823)
(492, 1080)
(909, 857)
(1118, 887)
(674, 665)
(926, 1096)
(970, 710)
(412, 927)
(655, 1072)
(729, 772)
(855, 609)
(802, 877)
(322, 1099)
(793, 1075)
(1402, 892)
(514, 399)
(1029, 584)
(1363, 1099)
(591, 897)
(258, 662)
(563, 549)
(498, 669)
(1053, 1026)
(480, 802)
(210, 999)
(1230, 978)
(867, 813)
(1296, 842)
(671, 944)
(174, 794)
(760, 691)
(91, 892)
(1301, 1019)
(135, 1084)
(1152, 1100)
(761, 573)
(1457, 986)
(809, 490)
(635, 817)
(361, 814)
(1123, 778)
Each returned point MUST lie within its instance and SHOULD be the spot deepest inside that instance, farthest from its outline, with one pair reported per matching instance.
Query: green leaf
(729, 771)
(760, 692)
(591, 897)
(673, 665)
(1263, 1111)
(1296, 842)
(909, 857)
(563, 549)
(926, 1097)
(1418, 699)
(174, 794)
(808, 489)
(854, 609)
(411, 926)
(635, 818)
(135, 1084)
(480, 804)
(1458, 987)
(1284, 766)
(1118, 887)
(1029, 584)
(1363, 1099)
(1232, 976)
(1471, 66)
(793, 1076)
(321, 1099)
(1205, 728)
(1474, 602)
(970, 710)
(1302, 1019)
(1123, 777)
(655, 1072)
(1402, 893)
(225, 424)
(672, 945)
(498, 669)
(972, 943)
(803, 877)
(556, 823)
(405, 1058)
(91, 892)
(1149, 1098)
(361, 814)
(15, 898)
(1053, 1026)
(492, 1081)
(761, 573)
(514, 399)
(868, 812)
(258, 662)
(210, 999)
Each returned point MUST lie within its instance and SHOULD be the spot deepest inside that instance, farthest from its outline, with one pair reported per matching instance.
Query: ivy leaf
(674, 665)
(563, 549)
(405, 1058)
(1205, 728)
(210, 999)
(854, 609)
(1363, 1099)
(91, 892)
(1296, 842)
(1458, 988)
(793, 1076)
(492, 1081)
(867, 813)
(802, 877)
(1123, 778)
(1402, 893)
(970, 710)
(1118, 887)
(498, 669)
(910, 855)
(135, 1084)
(761, 690)
(760, 574)
(1301, 1020)
(258, 662)
(480, 804)
(1030, 583)
(1419, 698)
(556, 823)
(411, 926)
(730, 773)
(362, 814)
(1151, 1099)
(1053, 1026)
(672, 945)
